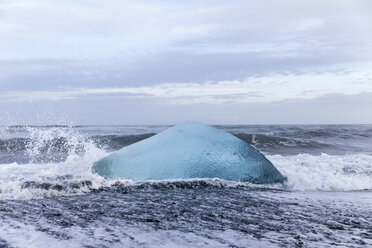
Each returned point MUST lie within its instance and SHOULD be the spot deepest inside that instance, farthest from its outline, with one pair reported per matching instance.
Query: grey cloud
(352, 109)
(164, 68)
(362, 99)
(269, 38)
(80, 44)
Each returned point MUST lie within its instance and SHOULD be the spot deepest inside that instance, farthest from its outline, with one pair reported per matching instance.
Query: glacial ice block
(189, 150)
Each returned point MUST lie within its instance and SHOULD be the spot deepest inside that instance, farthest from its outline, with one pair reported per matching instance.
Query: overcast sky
(163, 62)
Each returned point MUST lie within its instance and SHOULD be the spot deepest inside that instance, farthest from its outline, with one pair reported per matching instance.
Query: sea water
(49, 195)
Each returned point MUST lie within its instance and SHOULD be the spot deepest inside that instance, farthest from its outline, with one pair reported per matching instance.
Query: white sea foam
(326, 172)
(304, 172)
(22, 235)
(68, 175)
(72, 172)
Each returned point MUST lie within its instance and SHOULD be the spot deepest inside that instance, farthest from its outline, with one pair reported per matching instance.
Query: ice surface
(189, 150)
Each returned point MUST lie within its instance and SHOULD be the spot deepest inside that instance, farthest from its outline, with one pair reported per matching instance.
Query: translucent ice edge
(189, 150)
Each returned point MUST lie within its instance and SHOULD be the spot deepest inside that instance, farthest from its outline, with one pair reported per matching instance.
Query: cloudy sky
(163, 62)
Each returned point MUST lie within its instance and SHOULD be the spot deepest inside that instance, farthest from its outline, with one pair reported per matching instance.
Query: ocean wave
(55, 145)
(52, 145)
(325, 172)
(304, 172)
(264, 141)
(57, 161)
(115, 142)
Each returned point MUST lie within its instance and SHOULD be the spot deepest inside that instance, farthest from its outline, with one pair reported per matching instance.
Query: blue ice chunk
(189, 150)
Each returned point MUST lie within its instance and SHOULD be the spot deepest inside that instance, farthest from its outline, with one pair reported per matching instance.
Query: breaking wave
(325, 172)
(55, 145)
(55, 161)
